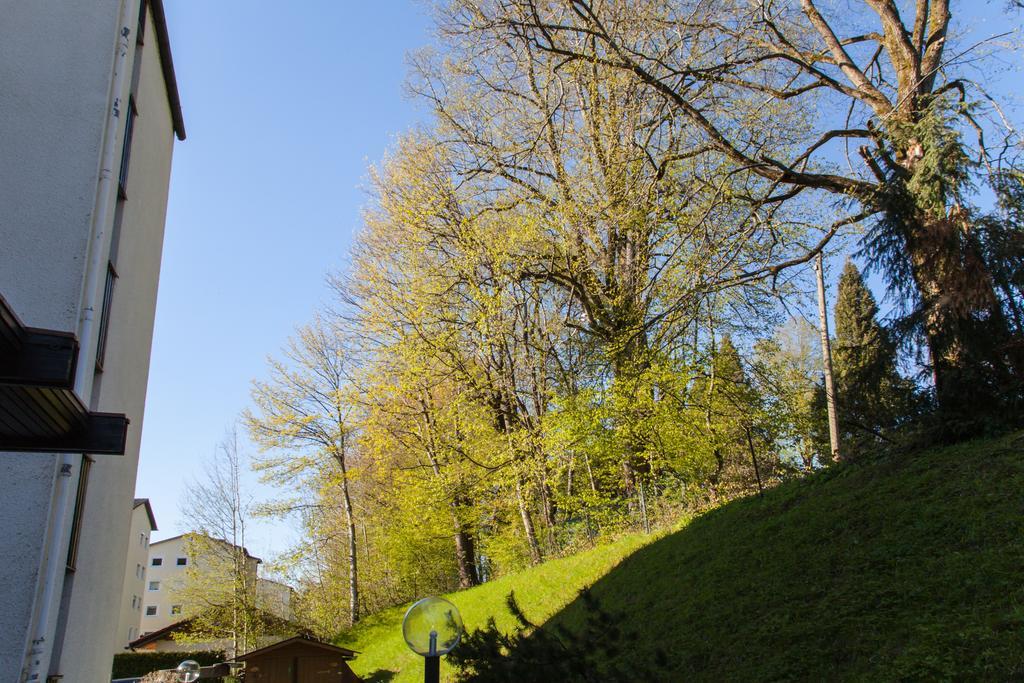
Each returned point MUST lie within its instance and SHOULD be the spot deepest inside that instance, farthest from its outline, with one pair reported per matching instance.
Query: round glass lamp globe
(188, 671)
(432, 627)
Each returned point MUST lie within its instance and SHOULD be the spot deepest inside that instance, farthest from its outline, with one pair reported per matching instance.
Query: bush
(136, 664)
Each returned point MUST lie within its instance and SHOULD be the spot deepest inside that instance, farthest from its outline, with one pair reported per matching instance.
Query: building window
(175, 609)
(101, 344)
(134, 600)
(131, 634)
(151, 611)
(138, 571)
(76, 521)
(126, 149)
(157, 561)
(154, 585)
(182, 561)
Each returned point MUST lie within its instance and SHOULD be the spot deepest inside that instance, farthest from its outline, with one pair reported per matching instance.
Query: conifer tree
(873, 398)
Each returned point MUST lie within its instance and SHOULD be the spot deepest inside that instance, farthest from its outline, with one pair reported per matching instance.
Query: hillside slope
(541, 590)
(907, 567)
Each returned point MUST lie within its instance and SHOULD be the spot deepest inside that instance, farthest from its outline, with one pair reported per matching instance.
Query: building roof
(268, 619)
(167, 65)
(304, 640)
(196, 533)
(159, 634)
(149, 511)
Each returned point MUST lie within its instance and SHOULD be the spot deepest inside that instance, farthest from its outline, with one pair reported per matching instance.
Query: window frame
(108, 298)
(126, 149)
(82, 490)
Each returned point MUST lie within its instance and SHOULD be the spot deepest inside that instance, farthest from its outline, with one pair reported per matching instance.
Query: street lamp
(432, 627)
(188, 671)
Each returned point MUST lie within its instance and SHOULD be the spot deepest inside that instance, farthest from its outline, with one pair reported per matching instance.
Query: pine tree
(873, 399)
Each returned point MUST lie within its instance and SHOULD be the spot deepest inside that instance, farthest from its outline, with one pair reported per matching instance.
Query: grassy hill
(907, 567)
(541, 590)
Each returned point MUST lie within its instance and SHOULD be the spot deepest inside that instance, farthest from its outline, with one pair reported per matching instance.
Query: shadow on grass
(378, 676)
(909, 568)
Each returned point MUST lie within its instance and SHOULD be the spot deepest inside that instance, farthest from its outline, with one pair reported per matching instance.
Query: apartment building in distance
(166, 573)
(142, 527)
(89, 112)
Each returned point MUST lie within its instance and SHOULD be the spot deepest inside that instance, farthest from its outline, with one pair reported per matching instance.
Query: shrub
(135, 664)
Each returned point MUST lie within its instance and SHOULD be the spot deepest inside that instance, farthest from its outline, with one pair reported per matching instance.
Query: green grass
(541, 591)
(901, 568)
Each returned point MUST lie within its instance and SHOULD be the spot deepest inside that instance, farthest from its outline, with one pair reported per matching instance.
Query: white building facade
(89, 112)
(143, 525)
(166, 571)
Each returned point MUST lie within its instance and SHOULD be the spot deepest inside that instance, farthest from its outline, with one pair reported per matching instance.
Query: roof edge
(149, 511)
(343, 652)
(167, 65)
(158, 634)
(211, 538)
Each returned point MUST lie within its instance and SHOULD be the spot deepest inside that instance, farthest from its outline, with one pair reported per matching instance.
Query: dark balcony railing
(39, 410)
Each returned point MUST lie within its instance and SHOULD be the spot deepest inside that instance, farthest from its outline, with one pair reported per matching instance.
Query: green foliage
(873, 400)
(788, 370)
(138, 664)
(951, 264)
(553, 328)
(220, 597)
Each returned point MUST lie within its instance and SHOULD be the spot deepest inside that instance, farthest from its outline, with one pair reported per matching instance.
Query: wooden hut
(299, 660)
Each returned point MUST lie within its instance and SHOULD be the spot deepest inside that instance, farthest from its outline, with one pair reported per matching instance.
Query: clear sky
(285, 105)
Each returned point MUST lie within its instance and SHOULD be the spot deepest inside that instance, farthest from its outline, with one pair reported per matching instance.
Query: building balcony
(39, 410)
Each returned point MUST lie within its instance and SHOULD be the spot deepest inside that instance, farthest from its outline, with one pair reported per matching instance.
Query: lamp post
(188, 671)
(432, 627)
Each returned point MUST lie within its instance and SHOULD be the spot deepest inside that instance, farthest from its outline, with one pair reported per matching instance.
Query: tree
(891, 86)
(733, 423)
(874, 399)
(219, 591)
(787, 371)
(304, 423)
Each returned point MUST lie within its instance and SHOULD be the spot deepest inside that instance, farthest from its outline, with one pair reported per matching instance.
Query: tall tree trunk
(826, 357)
(531, 535)
(753, 459)
(465, 555)
(353, 559)
(967, 333)
(642, 500)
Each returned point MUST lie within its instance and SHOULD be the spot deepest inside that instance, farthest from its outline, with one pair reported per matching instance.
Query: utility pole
(826, 356)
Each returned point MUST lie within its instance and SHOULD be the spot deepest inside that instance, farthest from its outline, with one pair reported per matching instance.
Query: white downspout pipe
(44, 634)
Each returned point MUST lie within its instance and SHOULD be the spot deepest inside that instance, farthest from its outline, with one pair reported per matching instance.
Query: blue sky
(285, 105)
